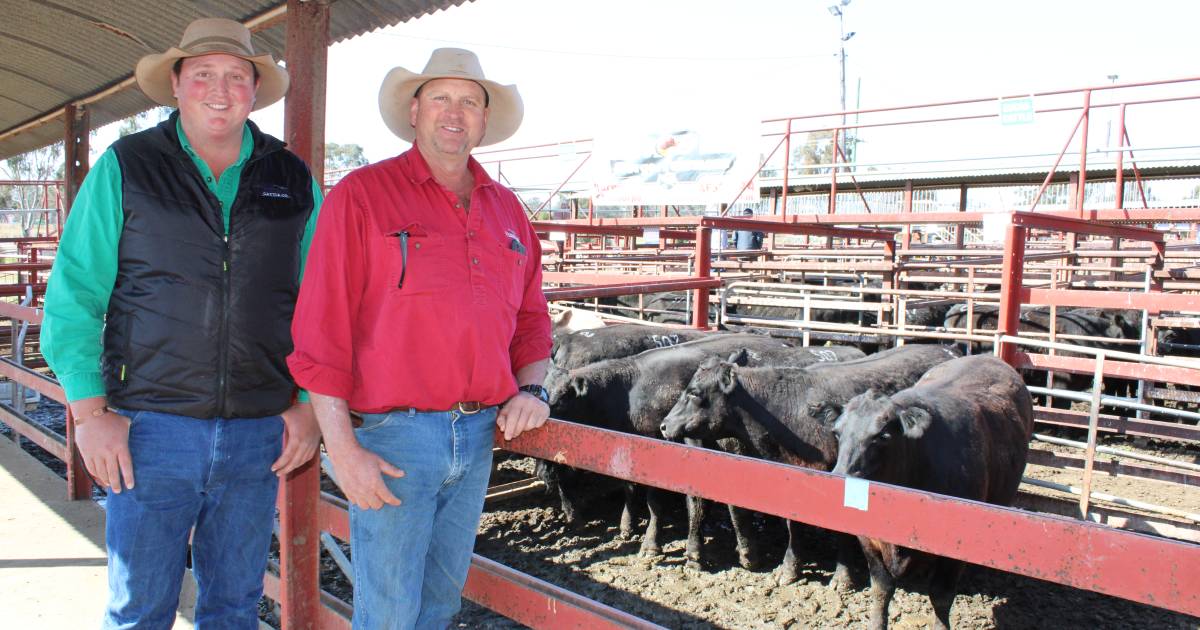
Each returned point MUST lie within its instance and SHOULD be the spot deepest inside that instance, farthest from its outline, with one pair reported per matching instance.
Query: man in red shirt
(422, 314)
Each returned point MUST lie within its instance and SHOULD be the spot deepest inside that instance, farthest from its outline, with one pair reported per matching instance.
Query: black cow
(1107, 325)
(633, 394)
(787, 414)
(581, 347)
(963, 430)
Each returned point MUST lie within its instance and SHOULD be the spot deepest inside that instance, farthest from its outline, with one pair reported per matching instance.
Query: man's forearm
(333, 415)
(534, 373)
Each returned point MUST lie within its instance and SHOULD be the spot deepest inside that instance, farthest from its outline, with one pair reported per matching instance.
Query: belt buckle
(468, 408)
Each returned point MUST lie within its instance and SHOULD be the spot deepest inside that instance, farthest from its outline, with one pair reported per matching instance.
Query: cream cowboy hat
(207, 36)
(400, 87)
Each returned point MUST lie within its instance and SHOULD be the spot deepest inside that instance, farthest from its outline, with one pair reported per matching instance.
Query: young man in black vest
(167, 321)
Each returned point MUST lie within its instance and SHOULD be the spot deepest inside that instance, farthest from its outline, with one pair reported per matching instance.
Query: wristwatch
(537, 390)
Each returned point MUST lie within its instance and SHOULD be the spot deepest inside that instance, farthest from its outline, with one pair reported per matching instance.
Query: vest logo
(275, 192)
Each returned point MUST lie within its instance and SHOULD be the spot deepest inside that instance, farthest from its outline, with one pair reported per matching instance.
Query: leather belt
(466, 408)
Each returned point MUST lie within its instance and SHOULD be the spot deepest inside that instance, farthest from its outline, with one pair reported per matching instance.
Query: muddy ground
(528, 533)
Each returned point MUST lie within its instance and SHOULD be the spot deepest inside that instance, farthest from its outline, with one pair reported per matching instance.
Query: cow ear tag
(856, 493)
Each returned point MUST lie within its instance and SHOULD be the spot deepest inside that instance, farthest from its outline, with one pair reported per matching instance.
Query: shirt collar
(243, 154)
(417, 169)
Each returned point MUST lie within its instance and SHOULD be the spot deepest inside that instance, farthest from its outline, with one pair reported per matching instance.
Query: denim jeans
(411, 560)
(212, 475)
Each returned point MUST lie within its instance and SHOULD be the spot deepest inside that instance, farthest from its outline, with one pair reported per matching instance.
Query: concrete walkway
(52, 563)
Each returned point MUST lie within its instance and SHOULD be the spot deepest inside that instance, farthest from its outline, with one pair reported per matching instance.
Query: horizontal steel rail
(1132, 566)
(507, 591)
(568, 293)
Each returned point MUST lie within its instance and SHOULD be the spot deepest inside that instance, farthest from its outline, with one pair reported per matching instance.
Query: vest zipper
(223, 368)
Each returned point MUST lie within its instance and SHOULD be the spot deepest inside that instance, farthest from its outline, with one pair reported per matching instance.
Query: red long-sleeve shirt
(449, 320)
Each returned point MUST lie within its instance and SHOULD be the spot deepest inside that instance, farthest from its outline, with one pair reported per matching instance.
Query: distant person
(747, 239)
(420, 328)
(167, 321)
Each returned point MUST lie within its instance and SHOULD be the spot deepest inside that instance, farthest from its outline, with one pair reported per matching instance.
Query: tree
(35, 166)
(340, 157)
(816, 154)
(138, 122)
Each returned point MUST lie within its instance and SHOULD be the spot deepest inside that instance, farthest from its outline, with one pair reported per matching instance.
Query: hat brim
(153, 75)
(505, 108)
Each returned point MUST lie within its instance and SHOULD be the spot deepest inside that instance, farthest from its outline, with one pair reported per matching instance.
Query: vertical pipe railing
(1011, 276)
(1085, 494)
(1083, 146)
(787, 164)
(833, 169)
(703, 270)
(1120, 183)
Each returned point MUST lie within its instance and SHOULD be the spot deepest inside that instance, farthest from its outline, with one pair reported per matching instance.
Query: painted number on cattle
(664, 341)
(586, 333)
(857, 491)
(825, 355)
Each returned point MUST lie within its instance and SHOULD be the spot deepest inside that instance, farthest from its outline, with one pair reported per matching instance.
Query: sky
(587, 69)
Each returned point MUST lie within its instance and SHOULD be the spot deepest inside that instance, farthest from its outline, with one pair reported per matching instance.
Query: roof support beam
(299, 494)
(75, 151)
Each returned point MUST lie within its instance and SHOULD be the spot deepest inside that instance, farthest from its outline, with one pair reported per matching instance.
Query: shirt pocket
(416, 260)
(507, 267)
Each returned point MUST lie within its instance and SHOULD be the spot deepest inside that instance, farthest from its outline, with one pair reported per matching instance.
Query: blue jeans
(214, 476)
(411, 560)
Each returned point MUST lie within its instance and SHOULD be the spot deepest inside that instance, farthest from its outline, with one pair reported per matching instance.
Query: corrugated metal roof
(55, 52)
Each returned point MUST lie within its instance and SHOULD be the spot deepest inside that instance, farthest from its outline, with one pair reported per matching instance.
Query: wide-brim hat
(400, 87)
(209, 36)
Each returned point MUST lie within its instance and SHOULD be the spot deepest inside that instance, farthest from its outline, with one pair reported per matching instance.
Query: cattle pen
(878, 248)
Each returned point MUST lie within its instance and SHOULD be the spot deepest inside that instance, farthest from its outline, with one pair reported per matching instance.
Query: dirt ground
(527, 533)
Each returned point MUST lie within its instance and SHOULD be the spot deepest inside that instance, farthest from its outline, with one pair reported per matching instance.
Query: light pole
(843, 37)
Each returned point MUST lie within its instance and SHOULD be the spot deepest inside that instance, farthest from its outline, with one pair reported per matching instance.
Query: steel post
(299, 493)
(1011, 276)
(1120, 184)
(703, 271)
(1083, 145)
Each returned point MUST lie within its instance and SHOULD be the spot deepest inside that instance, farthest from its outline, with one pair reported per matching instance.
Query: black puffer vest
(199, 324)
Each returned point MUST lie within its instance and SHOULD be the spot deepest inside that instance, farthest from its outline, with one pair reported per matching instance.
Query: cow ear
(726, 378)
(825, 412)
(915, 421)
(741, 357)
(579, 384)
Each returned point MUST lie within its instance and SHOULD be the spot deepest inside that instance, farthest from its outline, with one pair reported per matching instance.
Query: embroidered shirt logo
(275, 192)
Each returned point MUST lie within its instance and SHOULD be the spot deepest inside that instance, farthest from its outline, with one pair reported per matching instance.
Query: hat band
(217, 43)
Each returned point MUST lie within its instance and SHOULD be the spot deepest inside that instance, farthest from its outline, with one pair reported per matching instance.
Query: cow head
(701, 408)
(566, 391)
(869, 431)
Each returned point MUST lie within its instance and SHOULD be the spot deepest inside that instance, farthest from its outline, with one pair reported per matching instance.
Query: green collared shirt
(85, 267)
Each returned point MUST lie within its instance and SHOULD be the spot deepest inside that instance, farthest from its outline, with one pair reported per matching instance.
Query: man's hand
(301, 436)
(359, 473)
(103, 443)
(521, 413)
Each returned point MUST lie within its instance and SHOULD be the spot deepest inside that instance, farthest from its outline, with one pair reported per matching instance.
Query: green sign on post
(1016, 111)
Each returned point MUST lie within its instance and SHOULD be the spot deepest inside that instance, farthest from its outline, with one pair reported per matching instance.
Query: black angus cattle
(633, 394)
(1108, 326)
(581, 347)
(671, 307)
(1179, 342)
(963, 430)
(786, 414)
